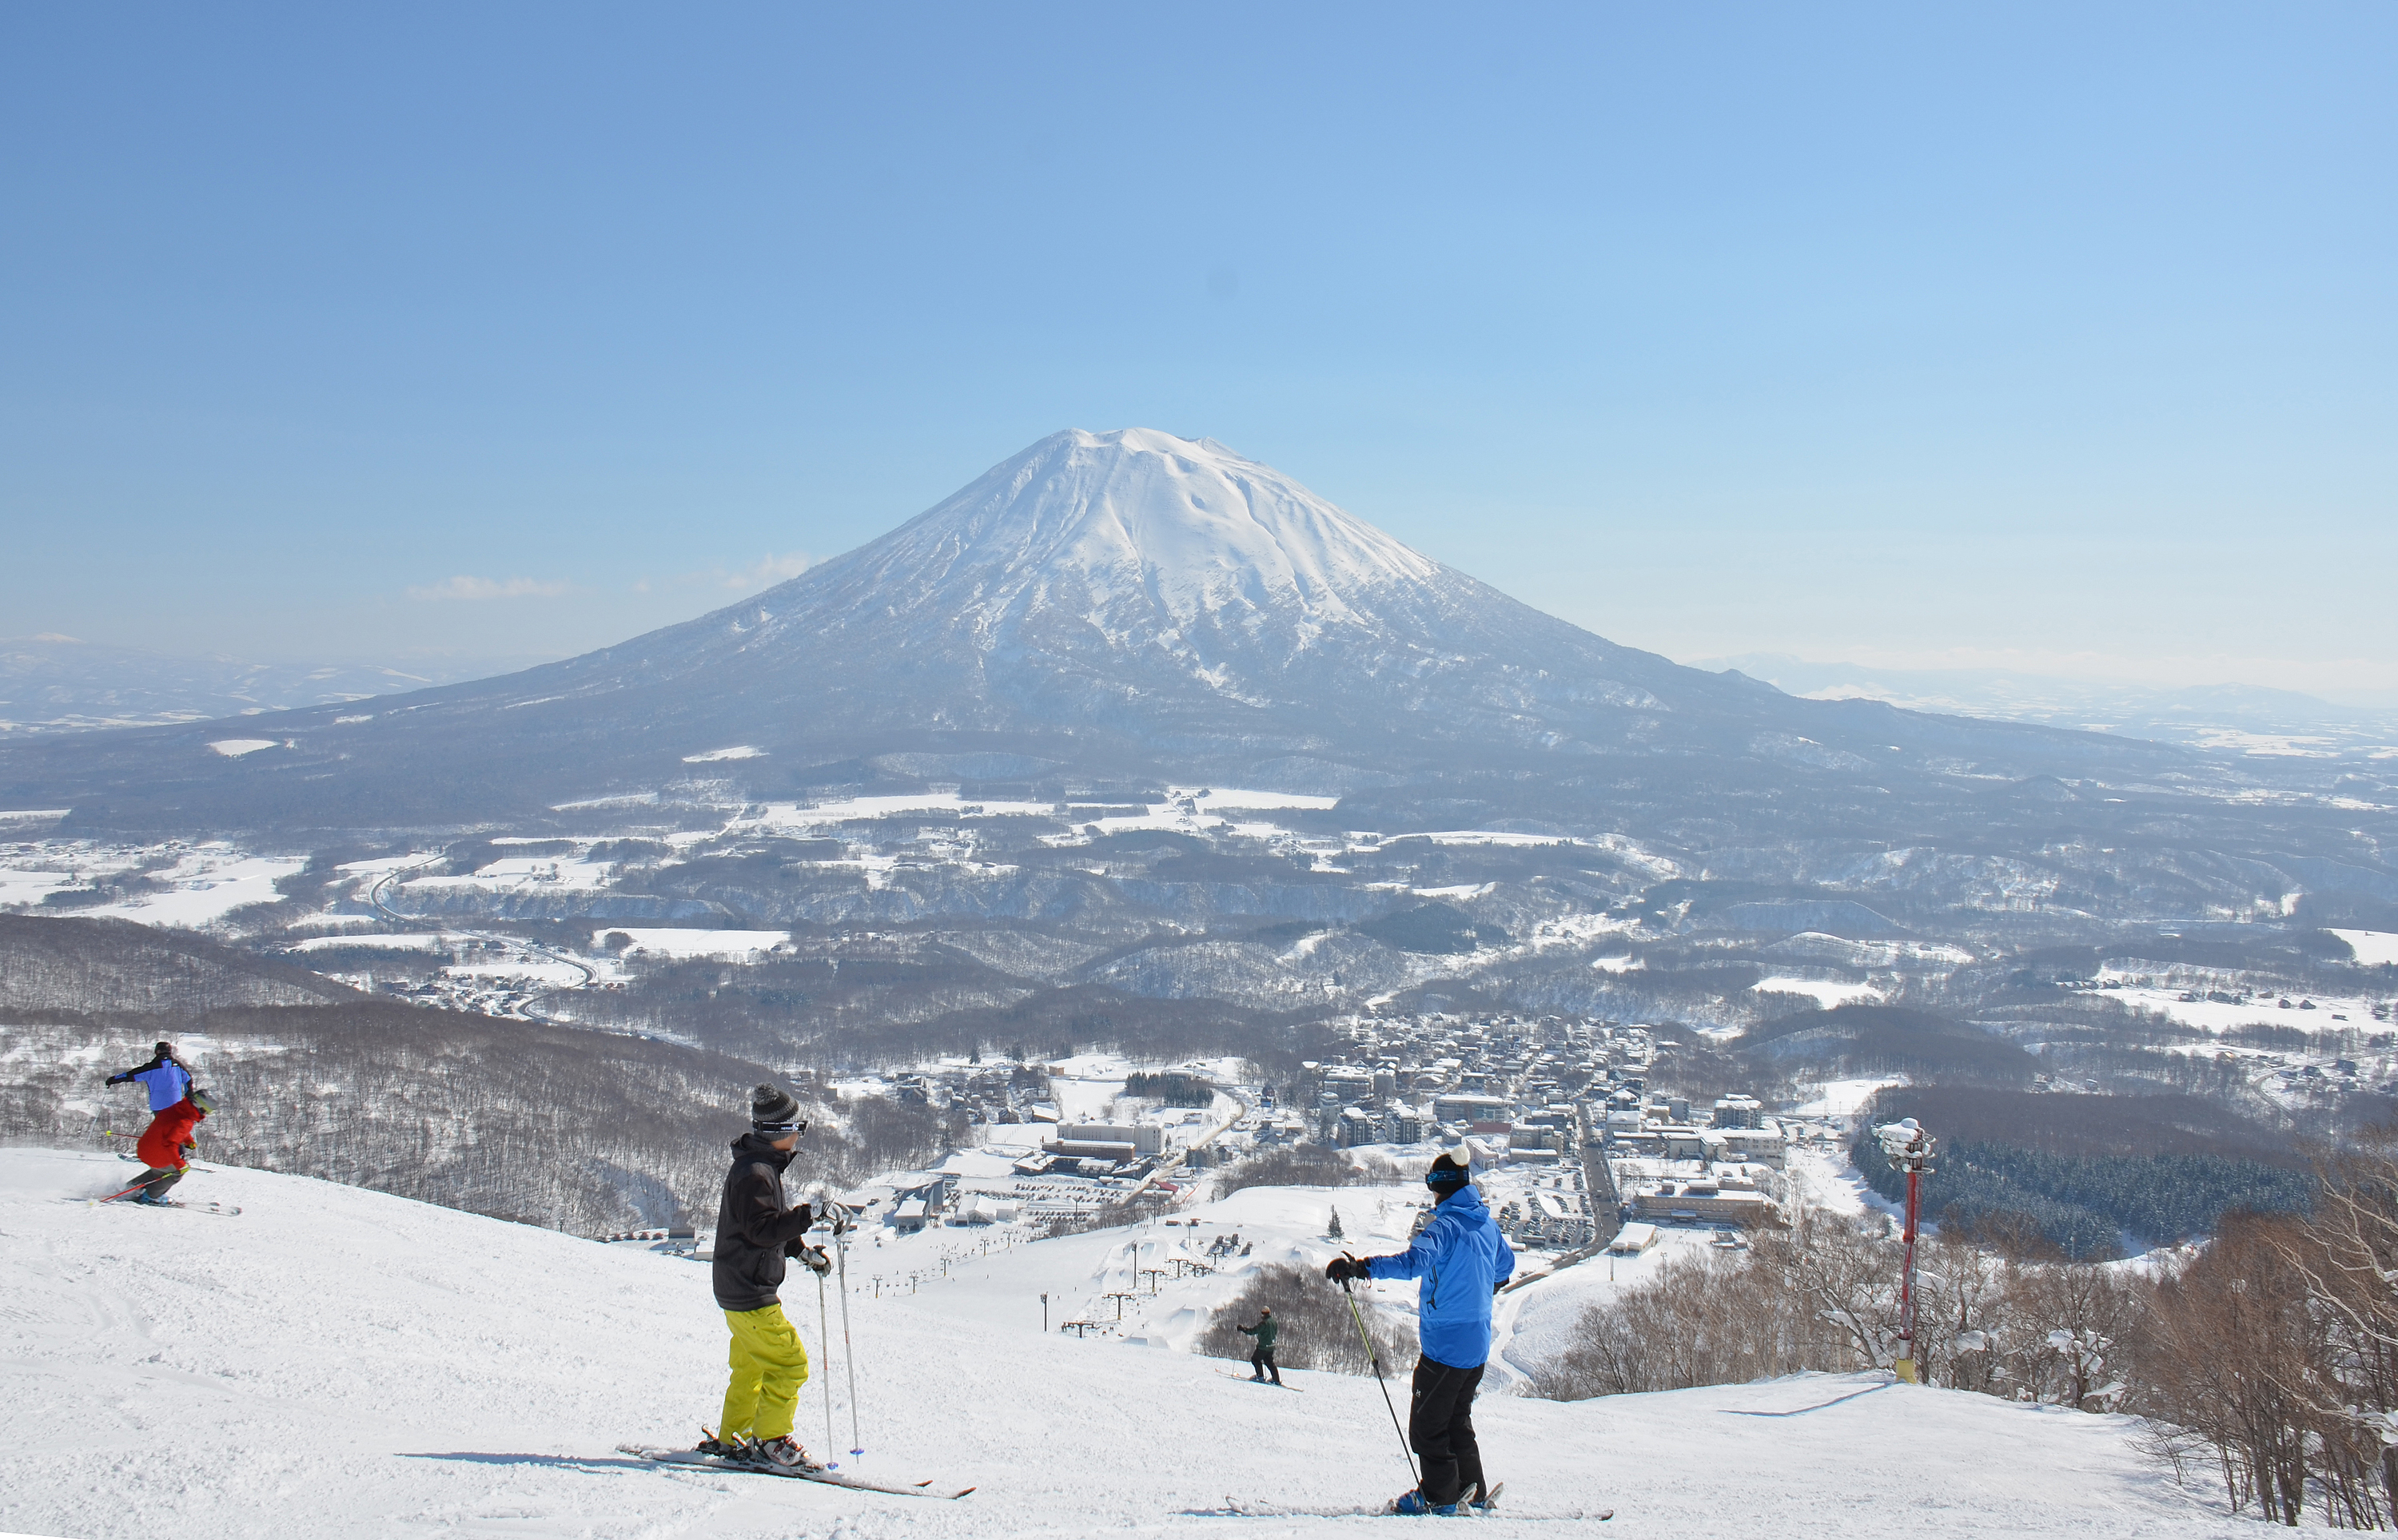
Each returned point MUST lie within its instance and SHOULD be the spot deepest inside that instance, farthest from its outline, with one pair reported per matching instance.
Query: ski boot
(1412, 1504)
(783, 1454)
(721, 1449)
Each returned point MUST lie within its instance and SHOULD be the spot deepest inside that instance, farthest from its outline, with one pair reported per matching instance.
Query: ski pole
(824, 1335)
(848, 1351)
(1374, 1358)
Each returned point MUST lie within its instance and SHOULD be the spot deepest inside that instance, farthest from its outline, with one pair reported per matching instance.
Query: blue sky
(2057, 336)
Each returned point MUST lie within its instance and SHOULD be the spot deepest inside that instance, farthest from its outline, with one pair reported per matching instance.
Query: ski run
(339, 1362)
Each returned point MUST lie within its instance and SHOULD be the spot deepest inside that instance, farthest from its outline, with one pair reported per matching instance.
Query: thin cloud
(463, 587)
(768, 570)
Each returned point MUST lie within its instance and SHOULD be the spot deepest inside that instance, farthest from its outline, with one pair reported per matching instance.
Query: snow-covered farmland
(172, 883)
(1824, 993)
(2372, 948)
(671, 943)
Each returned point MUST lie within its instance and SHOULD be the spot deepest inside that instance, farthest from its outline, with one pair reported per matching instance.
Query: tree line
(1172, 1087)
(2266, 1358)
(585, 1131)
(2084, 1204)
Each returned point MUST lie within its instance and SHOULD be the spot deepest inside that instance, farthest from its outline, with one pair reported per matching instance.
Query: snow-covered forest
(587, 1133)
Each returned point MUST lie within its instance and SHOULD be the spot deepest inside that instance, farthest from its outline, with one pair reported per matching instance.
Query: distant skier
(165, 1144)
(1262, 1363)
(1462, 1260)
(166, 1078)
(755, 1231)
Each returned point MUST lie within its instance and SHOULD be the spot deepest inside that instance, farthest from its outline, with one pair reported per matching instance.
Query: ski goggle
(799, 1126)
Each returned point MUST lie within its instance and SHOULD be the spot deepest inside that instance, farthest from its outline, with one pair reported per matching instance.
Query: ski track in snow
(339, 1362)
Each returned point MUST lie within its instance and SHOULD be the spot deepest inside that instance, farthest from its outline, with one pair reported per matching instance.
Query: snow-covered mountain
(1124, 603)
(1138, 584)
(2234, 717)
(58, 684)
(338, 1362)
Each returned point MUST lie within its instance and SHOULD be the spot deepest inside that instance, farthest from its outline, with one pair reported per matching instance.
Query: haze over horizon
(2042, 342)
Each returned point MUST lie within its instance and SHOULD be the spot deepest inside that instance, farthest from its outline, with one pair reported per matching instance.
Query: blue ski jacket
(1460, 1259)
(164, 1078)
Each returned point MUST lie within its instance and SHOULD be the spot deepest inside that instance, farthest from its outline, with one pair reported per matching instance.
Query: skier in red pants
(163, 1144)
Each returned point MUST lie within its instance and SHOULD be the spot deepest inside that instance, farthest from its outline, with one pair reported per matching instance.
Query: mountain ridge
(1099, 605)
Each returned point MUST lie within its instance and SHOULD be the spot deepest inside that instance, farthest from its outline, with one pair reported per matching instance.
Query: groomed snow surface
(337, 1363)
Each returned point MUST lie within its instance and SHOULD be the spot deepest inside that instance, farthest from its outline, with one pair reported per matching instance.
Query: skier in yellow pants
(755, 1231)
(769, 1366)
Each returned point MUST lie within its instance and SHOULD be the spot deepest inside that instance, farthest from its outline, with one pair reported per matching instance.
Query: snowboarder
(1462, 1260)
(1262, 1363)
(755, 1231)
(163, 1144)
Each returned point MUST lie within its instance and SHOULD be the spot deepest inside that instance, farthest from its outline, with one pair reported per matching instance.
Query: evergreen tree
(1332, 1231)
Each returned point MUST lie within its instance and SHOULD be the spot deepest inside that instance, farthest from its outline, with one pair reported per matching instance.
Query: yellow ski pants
(769, 1366)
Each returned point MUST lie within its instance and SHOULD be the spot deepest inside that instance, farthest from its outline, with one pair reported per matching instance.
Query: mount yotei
(1108, 606)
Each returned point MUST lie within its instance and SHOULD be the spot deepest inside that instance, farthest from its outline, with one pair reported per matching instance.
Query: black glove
(1342, 1268)
(120, 1079)
(1497, 1284)
(814, 1259)
(807, 1217)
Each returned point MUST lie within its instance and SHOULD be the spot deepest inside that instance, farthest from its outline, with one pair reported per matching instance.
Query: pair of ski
(1253, 1379)
(1234, 1508)
(1249, 1507)
(222, 1211)
(818, 1474)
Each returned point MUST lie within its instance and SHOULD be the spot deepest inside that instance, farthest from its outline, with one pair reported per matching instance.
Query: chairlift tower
(1908, 1150)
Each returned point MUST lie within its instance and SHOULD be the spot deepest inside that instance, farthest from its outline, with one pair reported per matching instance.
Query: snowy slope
(336, 1363)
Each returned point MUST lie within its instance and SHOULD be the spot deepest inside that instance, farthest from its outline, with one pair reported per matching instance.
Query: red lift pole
(1909, 1149)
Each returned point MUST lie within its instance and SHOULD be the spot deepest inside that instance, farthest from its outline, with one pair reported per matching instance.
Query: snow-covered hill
(336, 1363)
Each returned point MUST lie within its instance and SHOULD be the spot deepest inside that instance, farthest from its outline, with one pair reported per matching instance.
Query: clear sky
(2054, 336)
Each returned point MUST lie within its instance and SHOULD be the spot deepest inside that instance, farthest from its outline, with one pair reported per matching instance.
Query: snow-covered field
(1824, 993)
(203, 883)
(337, 1363)
(2372, 948)
(671, 942)
(2215, 1016)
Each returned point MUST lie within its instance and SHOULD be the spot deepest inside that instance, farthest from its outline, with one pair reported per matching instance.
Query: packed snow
(1227, 796)
(425, 940)
(671, 943)
(2372, 948)
(233, 748)
(1824, 993)
(562, 975)
(2319, 1012)
(518, 874)
(336, 1363)
(1844, 1098)
(852, 810)
(172, 883)
(1184, 524)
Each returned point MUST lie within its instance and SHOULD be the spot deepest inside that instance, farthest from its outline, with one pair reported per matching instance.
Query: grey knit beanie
(773, 1111)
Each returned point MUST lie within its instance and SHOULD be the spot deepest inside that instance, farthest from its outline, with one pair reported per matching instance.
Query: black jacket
(753, 1227)
(155, 1060)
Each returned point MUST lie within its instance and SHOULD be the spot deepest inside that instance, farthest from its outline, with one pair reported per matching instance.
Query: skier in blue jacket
(165, 1078)
(1460, 1259)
